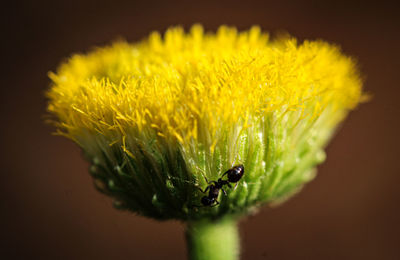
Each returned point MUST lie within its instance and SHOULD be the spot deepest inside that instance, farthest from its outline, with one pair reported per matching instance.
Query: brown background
(50, 210)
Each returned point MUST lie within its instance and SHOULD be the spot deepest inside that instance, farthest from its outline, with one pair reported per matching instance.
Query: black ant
(234, 175)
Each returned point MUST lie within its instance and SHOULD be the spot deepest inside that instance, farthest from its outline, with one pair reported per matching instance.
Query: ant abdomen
(235, 173)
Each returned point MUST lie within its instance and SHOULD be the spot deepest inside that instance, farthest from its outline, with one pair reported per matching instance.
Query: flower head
(156, 117)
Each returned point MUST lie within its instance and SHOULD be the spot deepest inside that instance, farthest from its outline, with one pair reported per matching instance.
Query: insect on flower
(234, 175)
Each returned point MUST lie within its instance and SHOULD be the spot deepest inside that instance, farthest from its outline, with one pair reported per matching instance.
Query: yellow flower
(156, 116)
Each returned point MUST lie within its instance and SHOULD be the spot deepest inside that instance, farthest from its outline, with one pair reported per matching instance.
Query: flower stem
(213, 240)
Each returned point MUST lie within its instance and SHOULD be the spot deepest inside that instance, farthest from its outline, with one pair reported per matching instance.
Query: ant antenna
(202, 173)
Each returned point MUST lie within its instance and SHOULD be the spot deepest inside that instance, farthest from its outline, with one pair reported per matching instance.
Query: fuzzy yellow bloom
(155, 116)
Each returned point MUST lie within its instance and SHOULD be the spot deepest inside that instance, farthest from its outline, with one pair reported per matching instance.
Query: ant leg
(234, 188)
(202, 173)
(199, 169)
(215, 182)
(209, 182)
(217, 203)
(204, 191)
(224, 192)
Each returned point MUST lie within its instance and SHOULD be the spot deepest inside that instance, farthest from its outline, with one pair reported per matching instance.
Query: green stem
(213, 240)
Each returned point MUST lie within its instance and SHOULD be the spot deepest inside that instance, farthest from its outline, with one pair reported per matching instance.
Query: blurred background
(50, 209)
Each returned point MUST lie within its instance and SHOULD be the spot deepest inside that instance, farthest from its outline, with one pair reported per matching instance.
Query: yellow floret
(189, 86)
